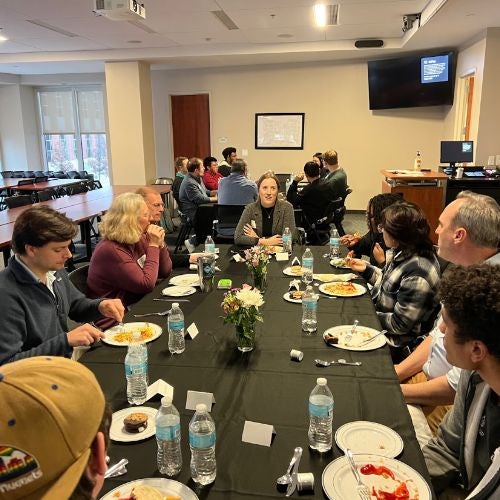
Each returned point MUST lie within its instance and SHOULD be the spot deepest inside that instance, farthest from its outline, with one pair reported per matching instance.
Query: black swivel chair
(6, 173)
(24, 182)
(79, 278)
(226, 220)
(47, 194)
(42, 178)
(76, 189)
(184, 231)
(18, 201)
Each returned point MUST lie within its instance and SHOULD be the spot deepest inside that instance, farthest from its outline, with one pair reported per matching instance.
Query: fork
(362, 489)
(161, 313)
(349, 335)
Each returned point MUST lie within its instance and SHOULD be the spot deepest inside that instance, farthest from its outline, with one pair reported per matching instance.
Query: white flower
(250, 297)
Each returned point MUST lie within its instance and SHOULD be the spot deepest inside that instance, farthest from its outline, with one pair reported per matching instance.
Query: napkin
(294, 285)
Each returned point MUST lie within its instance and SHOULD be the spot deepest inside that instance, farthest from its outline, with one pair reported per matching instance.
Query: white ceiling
(185, 34)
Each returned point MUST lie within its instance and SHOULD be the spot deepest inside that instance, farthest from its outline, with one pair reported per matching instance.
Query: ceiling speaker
(368, 43)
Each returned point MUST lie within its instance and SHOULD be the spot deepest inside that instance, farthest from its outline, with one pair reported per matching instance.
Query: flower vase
(246, 337)
(260, 279)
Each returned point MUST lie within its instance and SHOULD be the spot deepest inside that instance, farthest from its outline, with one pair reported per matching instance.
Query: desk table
(263, 385)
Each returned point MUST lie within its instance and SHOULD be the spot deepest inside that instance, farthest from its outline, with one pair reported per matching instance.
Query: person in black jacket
(314, 198)
(372, 243)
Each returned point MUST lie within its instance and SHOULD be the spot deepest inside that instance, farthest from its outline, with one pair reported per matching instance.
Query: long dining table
(263, 385)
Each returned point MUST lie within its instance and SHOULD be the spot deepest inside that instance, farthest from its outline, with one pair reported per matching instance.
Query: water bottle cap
(321, 381)
(166, 400)
(175, 304)
(201, 408)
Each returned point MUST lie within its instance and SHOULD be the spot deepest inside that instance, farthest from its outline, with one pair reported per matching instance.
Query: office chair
(7, 173)
(24, 182)
(226, 220)
(47, 194)
(79, 278)
(18, 201)
(41, 178)
(184, 231)
(76, 189)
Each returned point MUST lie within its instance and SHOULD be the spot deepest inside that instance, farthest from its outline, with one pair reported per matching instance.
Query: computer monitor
(457, 152)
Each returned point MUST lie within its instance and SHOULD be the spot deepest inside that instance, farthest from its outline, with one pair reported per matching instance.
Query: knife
(172, 300)
(293, 485)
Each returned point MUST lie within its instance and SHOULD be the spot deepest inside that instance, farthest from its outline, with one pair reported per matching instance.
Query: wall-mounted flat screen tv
(414, 81)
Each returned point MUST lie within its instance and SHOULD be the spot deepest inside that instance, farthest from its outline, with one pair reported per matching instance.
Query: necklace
(268, 213)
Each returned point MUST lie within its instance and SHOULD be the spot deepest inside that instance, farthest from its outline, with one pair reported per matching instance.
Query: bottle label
(169, 432)
(201, 441)
(286, 238)
(310, 304)
(138, 369)
(176, 325)
(334, 242)
(320, 410)
(209, 248)
(308, 262)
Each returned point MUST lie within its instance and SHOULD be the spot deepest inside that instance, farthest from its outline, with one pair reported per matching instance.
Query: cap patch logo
(17, 468)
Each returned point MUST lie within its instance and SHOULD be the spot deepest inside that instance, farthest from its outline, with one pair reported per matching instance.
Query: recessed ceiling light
(320, 14)
(134, 41)
(326, 14)
(285, 35)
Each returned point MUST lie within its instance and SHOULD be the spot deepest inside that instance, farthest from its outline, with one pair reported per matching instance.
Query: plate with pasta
(122, 335)
(342, 289)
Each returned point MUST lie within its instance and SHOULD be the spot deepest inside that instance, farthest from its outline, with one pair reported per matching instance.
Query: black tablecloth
(263, 385)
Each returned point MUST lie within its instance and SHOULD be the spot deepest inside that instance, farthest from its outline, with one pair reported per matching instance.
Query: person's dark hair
(83, 490)
(208, 161)
(406, 223)
(330, 157)
(268, 175)
(179, 161)
(318, 155)
(228, 151)
(377, 204)
(311, 169)
(193, 164)
(239, 166)
(38, 226)
(471, 296)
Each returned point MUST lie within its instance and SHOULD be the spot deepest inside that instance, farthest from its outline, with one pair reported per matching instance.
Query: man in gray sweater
(37, 295)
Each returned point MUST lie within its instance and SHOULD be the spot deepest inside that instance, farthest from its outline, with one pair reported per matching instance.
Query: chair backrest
(77, 189)
(79, 278)
(7, 173)
(17, 174)
(47, 194)
(73, 174)
(61, 175)
(29, 173)
(18, 201)
(283, 178)
(229, 214)
(42, 178)
(164, 180)
(24, 182)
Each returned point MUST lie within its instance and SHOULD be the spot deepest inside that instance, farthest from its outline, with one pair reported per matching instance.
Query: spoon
(320, 362)
(382, 332)
(348, 336)
(286, 478)
(162, 313)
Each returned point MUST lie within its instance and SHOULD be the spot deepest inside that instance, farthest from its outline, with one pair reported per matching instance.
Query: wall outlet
(497, 161)
(491, 160)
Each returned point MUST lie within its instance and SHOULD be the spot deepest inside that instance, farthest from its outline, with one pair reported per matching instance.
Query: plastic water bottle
(209, 245)
(334, 244)
(136, 369)
(309, 306)
(307, 266)
(175, 322)
(202, 444)
(168, 438)
(417, 163)
(320, 417)
(287, 240)
(143, 349)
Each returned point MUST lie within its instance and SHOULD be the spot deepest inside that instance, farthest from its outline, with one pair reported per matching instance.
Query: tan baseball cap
(51, 409)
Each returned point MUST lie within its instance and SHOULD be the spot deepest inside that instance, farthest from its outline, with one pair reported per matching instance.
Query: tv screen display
(457, 152)
(414, 81)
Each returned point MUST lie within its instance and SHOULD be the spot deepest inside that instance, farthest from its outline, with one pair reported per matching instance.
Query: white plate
(288, 272)
(185, 280)
(362, 333)
(339, 483)
(362, 436)
(178, 291)
(339, 262)
(117, 430)
(273, 248)
(360, 289)
(165, 486)
(287, 297)
(129, 327)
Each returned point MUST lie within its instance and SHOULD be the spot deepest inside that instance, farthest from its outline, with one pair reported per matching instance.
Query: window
(74, 131)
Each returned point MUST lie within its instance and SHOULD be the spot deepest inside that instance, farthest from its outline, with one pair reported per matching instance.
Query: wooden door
(191, 125)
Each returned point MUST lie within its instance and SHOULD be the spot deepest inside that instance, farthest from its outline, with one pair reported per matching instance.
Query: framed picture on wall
(279, 130)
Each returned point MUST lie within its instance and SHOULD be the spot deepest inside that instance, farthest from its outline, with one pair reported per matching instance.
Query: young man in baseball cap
(53, 430)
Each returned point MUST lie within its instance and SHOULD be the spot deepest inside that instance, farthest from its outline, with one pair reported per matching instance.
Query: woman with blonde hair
(131, 255)
(264, 221)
